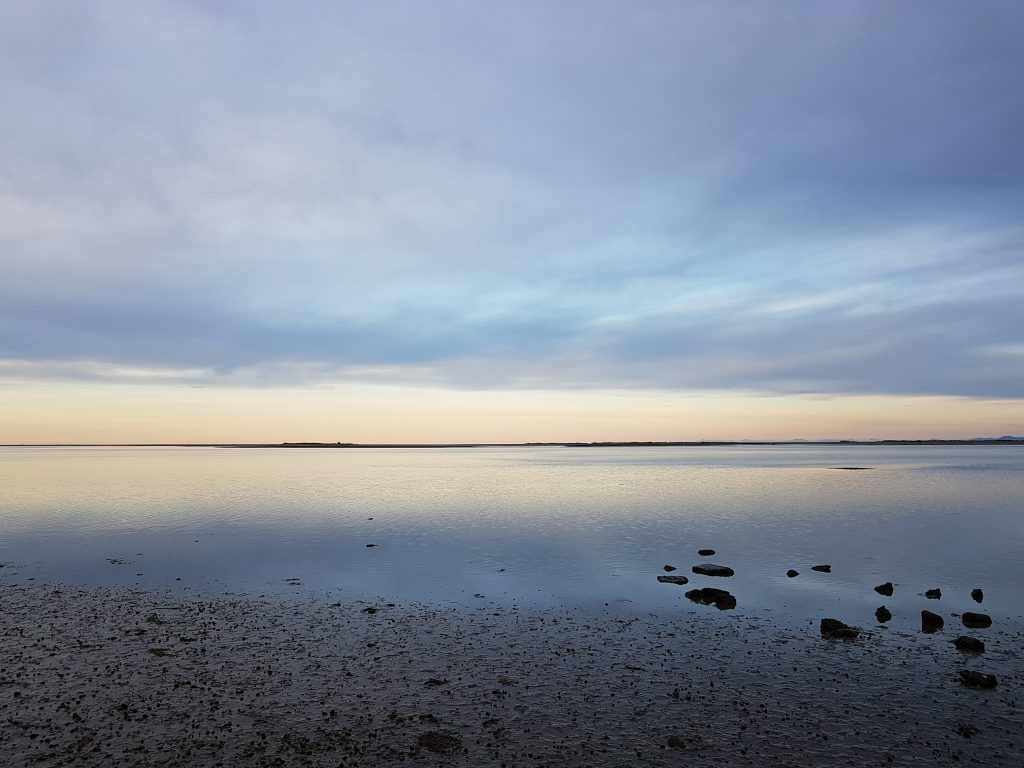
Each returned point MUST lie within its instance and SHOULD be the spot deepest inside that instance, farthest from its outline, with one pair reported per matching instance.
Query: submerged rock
(822, 568)
(931, 622)
(705, 552)
(838, 630)
(933, 594)
(673, 579)
(882, 614)
(675, 742)
(969, 644)
(668, 568)
(977, 595)
(967, 730)
(710, 569)
(791, 573)
(884, 589)
(720, 598)
(973, 679)
(976, 620)
(438, 741)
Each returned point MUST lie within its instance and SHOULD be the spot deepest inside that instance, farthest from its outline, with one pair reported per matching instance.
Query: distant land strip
(611, 444)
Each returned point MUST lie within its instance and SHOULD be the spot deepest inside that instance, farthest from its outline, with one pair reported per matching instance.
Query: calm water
(563, 526)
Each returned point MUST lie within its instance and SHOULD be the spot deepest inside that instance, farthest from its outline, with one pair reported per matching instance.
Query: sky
(511, 221)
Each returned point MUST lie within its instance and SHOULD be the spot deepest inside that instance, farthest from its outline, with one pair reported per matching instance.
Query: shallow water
(540, 526)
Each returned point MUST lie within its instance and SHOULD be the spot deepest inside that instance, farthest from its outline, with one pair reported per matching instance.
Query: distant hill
(1004, 437)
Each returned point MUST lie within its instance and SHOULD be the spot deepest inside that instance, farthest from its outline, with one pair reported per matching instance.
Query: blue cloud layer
(820, 198)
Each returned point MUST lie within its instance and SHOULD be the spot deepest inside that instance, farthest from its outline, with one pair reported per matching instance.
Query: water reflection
(546, 525)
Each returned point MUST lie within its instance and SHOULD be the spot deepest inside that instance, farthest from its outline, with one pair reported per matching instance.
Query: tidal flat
(116, 676)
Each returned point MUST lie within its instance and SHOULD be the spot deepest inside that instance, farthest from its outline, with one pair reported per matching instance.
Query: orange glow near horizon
(103, 413)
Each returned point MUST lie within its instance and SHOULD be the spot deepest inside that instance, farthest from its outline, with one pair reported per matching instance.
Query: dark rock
(931, 622)
(674, 742)
(973, 679)
(673, 579)
(371, 545)
(705, 552)
(976, 620)
(884, 589)
(933, 594)
(822, 568)
(969, 644)
(967, 730)
(882, 614)
(710, 569)
(668, 568)
(837, 630)
(977, 595)
(720, 598)
(438, 741)
(791, 573)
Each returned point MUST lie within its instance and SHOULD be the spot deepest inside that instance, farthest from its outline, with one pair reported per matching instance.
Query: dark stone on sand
(705, 552)
(822, 568)
(977, 595)
(933, 594)
(931, 622)
(438, 741)
(668, 568)
(710, 569)
(882, 614)
(969, 644)
(673, 579)
(884, 589)
(791, 573)
(838, 630)
(976, 620)
(719, 598)
(973, 679)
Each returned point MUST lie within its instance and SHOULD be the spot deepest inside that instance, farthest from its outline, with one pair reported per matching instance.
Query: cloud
(684, 196)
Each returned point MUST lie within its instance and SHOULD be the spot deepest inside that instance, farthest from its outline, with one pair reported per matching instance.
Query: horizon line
(1004, 440)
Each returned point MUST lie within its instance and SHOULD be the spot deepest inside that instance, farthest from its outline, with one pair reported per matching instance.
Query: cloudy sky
(511, 221)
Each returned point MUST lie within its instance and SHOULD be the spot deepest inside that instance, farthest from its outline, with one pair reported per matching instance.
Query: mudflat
(121, 677)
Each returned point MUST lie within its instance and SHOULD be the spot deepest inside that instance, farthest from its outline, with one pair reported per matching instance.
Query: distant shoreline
(609, 444)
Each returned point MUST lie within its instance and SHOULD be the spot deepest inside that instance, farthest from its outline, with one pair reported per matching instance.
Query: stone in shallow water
(673, 579)
(931, 622)
(705, 552)
(884, 589)
(882, 614)
(438, 741)
(969, 644)
(710, 569)
(838, 630)
(973, 679)
(977, 595)
(668, 568)
(791, 573)
(976, 620)
(933, 594)
(822, 568)
(719, 598)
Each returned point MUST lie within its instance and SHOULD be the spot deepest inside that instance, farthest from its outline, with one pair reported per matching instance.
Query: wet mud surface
(117, 677)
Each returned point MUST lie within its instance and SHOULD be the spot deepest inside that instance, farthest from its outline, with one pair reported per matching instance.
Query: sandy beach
(119, 677)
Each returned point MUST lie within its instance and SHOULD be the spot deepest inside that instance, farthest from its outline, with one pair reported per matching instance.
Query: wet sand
(116, 677)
